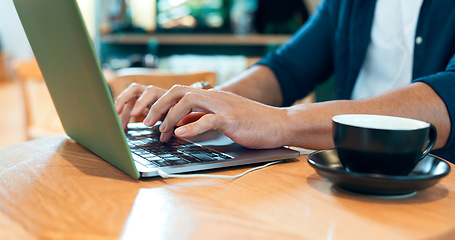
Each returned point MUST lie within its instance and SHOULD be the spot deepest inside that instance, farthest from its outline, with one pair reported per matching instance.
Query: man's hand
(248, 123)
(136, 100)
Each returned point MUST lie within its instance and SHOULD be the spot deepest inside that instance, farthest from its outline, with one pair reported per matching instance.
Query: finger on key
(131, 93)
(162, 105)
(190, 102)
(149, 96)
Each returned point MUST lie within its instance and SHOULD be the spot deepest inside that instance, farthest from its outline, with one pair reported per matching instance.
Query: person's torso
(352, 20)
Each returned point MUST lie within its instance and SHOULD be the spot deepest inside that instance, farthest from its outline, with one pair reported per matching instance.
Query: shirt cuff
(443, 84)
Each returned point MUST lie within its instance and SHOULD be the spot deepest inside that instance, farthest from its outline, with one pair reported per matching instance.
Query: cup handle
(432, 141)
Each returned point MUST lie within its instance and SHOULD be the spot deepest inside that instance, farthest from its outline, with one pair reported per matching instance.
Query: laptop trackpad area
(215, 140)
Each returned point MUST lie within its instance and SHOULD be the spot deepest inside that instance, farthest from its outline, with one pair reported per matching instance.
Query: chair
(41, 118)
(163, 80)
(3, 72)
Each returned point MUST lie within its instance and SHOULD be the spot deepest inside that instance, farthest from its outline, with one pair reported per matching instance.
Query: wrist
(308, 126)
(292, 127)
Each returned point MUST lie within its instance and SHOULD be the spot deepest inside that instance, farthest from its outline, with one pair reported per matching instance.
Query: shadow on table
(88, 163)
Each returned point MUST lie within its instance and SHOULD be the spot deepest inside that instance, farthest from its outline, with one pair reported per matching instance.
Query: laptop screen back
(66, 57)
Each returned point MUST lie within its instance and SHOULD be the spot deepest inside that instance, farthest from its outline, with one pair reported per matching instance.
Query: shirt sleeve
(443, 83)
(306, 59)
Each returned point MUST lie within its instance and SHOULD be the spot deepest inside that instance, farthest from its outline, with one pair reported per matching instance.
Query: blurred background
(174, 36)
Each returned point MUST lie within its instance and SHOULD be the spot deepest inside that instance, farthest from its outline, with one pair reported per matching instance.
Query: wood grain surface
(53, 188)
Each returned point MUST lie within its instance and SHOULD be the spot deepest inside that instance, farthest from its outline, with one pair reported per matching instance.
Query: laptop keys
(152, 152)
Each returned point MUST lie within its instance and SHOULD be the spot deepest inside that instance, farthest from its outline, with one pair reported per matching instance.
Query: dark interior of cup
(381, 150)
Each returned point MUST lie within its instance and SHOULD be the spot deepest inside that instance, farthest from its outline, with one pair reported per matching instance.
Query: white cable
(163, 174)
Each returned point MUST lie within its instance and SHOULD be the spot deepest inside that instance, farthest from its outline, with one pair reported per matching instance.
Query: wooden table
(53, 188)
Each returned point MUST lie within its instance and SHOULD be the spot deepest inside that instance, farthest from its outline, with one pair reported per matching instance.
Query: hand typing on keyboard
(238, 118)
(194, 111)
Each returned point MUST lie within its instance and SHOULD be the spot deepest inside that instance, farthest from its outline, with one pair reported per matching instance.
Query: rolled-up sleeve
(443, 83)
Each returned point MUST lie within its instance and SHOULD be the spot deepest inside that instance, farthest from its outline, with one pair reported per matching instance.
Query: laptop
(72, 72)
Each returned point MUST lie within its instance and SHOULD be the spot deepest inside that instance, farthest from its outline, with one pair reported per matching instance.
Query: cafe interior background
(174, 36)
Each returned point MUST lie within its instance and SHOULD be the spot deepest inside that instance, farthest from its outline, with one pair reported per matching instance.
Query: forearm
(310, 124)
(257, 83)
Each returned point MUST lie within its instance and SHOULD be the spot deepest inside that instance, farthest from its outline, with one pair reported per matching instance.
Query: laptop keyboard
(151, 152)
